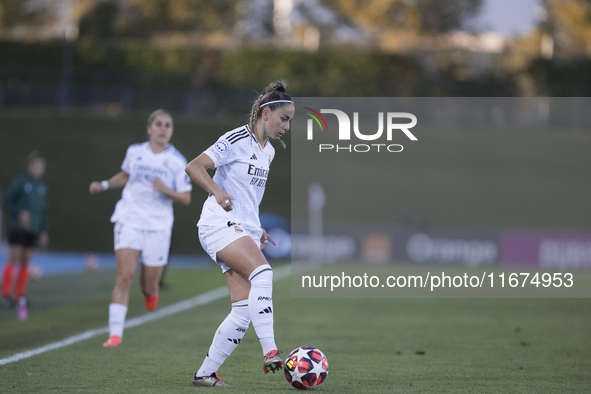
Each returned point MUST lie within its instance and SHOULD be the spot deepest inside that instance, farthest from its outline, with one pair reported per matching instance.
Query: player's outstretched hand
(265, 239)
(95, 187)
(25, 220)
(43, 239)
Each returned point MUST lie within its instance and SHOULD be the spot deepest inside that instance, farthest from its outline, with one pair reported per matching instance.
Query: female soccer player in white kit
(230, 230)
(152, 177)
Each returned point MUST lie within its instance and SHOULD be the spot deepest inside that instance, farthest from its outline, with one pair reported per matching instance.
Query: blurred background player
(153, 178)
(230, 229)
(26, 202)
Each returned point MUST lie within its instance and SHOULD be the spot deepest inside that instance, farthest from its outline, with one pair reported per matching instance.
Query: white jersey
(242, 168)
(141, 206)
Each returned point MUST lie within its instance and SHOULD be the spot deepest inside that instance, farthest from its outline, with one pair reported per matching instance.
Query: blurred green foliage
(328, 73)
(38, 53)
(141, 18)
(336, 72)
(421, 16)
(561, 78)
(13, 12)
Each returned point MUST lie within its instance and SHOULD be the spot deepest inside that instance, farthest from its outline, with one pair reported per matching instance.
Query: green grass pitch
(372, 345)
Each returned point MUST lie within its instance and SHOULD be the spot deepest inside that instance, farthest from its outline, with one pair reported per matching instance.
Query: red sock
(23, 278)
(7, 279)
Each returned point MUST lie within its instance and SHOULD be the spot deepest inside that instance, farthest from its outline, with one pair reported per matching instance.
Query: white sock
(260, 303)
(117, 313)
(227, 337)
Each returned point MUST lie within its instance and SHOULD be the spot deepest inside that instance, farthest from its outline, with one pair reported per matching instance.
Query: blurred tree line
(565, 68)
(420, 16)
(553, 59)
(141, 18)
(145, 17)
(14, 12)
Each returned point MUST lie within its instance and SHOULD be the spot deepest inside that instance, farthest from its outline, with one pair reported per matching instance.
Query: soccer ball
(306, 368)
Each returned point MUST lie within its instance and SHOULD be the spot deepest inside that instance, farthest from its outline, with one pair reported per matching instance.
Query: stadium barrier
(471, 248)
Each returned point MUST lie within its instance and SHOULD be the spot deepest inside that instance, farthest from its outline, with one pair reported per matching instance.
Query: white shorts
(153, 245)
(215, 238)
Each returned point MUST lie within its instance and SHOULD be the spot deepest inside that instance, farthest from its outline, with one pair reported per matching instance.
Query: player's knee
(262, 273)
(124, 280)
(261, 277)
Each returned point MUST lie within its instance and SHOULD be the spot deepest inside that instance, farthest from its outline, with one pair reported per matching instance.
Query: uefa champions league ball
(306, 368)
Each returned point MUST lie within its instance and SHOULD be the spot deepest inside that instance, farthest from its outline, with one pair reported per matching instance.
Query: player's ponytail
(274, 92)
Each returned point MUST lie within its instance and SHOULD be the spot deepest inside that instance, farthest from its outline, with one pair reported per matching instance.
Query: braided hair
(275, 91)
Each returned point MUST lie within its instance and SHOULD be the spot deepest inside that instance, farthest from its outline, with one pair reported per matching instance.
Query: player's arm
(43, 234)
(180, 197)
(13, 197)
(197, 171)
(116, 181)
(15, 204)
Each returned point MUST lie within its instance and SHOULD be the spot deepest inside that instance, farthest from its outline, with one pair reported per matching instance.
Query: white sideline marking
(279, 273)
